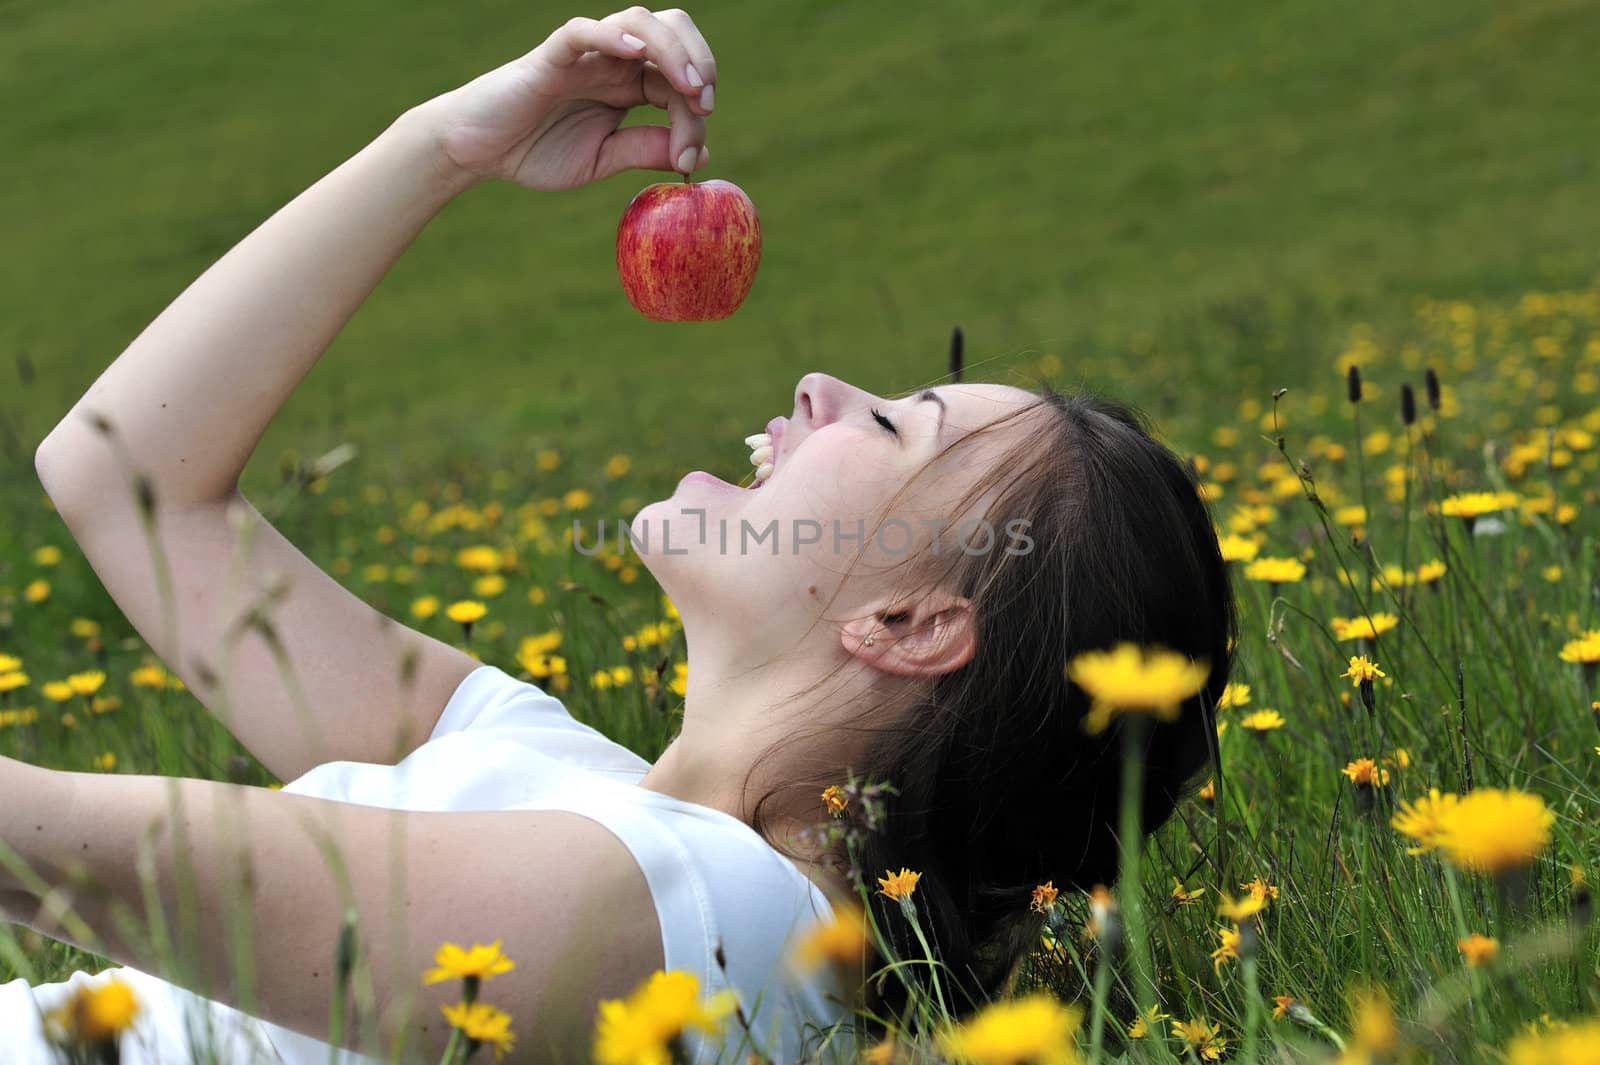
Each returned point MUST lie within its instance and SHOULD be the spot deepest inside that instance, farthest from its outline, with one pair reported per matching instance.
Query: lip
(775, 429)
(710, 480)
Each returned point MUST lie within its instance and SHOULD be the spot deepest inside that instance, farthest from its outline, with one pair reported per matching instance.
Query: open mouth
(765, 448)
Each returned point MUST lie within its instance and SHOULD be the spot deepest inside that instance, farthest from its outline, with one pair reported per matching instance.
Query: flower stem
(1131, 836)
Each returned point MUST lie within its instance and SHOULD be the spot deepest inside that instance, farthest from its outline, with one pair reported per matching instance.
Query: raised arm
(189, 399)
(257, 881)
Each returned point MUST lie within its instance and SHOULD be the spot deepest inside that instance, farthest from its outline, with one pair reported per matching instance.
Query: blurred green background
(1178, 202)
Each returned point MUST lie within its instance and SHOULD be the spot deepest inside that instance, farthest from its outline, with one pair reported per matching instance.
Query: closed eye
(886, 423)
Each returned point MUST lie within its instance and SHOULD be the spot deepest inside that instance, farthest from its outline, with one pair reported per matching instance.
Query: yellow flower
(842, 939)
(618, 466)
(96, 1014)
(1203, 1036)
(1282, 1004)
(833, 798)
(1181, 896)
(542, 666)
(37, 591)
(1429, 572)
(9, 663)
(482, 558)
(1234, 695)
(1492, 830)
(1036, 1029)
(899, 885)
(1242, 909)
(1044, 897)
(12, 681)
(1585, 648)
(1478, 948)
(479, 963)
(1208, 790)
(488, 586)
(465, 611)
(1473, 504)
(1142, 1024)
(1228, 948)
(1275, 570)
(1363, 628)
(1364, 772)
(1237, 548)
(48, 555)
(482, 1023)
(84, 628)
(86, 683)
(57, 691)
(105, 762)
(577, 499)
(638, 1030)
(1134, 678)
(1362, 669)
(1372, 1023)
(1259, 889)
(1569, 1044)
(1424, 821)
(148, 675)
(1262, 721)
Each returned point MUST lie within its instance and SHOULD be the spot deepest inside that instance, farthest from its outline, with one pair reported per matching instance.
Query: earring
(869, 640)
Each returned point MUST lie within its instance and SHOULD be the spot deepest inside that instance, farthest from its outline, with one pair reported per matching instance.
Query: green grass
(1185, 207)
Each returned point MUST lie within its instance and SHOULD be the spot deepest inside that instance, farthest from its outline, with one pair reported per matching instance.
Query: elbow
(62, 460)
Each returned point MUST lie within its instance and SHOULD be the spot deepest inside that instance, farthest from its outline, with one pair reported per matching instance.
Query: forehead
(973, 405)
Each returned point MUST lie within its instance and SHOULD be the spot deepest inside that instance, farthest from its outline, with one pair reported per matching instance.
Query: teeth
(760, 454)
(763, 471)
(758, 439)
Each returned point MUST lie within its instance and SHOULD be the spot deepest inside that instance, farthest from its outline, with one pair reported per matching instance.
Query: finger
(688, 128)
(699, 51)
(638, 148)
(662, 47)
(581, 35)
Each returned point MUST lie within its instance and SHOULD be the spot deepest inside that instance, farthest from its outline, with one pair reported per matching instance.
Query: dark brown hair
(998, 787)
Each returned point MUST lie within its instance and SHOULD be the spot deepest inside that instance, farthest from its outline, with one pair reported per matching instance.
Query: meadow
(1343, 256)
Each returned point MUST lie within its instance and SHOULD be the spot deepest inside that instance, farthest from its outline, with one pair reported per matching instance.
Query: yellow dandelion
(1035, 1029)
(1478, 949)
(1568, 1044)
(1262, 721)
(1373, 1027)
(899, 885)
(483, 1024)
(1424, 820)
(1494, 830)
(843, 940)
(1585, 649)
(57, 691)
(1362, 669)
(1129, 677)
(1473, 504)
(465, 611)
(639, 1030)
(1363, 628)
(479, 963)
(13, 680)
(1228, 947)
(48, 555)
(37, 591)
(1044, 897)
(1431, 571)
(1237, 548)
(1243, 908)
(1276, 570)
(488, 586)
(1259, 889)
(1147, 1020)
(1281, 1004)
(86, 683)
(1202, 1036)
(1234, 695)
(96, 1014)
(105, 762)
(1364, 772)
(834, 799)
(1182, 896)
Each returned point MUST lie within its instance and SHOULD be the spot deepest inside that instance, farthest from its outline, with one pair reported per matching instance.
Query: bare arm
(189, 399)
(247, 873)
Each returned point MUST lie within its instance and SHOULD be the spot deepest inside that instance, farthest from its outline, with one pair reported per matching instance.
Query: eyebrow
(931, 394)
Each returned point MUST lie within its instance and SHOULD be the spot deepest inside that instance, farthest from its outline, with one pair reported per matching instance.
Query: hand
(549, 119)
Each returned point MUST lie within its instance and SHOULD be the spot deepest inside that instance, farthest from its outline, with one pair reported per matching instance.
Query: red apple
(687, 251)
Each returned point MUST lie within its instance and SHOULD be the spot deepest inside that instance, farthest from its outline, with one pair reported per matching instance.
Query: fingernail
(687, 159)
(705, 153)
(693, 75)
(705, 97)
(631, 41)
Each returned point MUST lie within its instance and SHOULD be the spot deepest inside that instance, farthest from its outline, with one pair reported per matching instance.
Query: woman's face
(764, 560)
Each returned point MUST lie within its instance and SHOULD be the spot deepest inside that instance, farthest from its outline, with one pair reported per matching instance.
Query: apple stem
(686, 179)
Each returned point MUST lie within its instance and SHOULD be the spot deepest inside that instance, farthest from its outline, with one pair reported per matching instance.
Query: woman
(917, 571)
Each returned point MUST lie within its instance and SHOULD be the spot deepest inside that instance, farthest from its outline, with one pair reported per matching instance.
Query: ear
(931, 636)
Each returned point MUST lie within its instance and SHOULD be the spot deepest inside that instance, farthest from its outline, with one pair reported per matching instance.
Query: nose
(820, 398)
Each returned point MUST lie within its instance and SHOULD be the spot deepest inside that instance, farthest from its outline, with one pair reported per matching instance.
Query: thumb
(639, 148)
